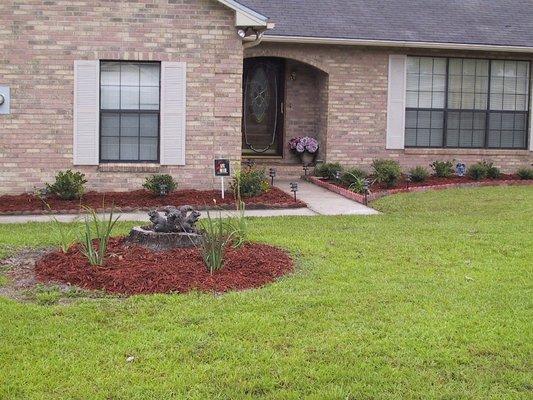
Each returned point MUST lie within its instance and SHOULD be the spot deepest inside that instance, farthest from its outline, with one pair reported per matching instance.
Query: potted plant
(305, 147)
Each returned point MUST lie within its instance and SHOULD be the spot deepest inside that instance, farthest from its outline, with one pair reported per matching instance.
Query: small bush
(386, 171)
(68, 185)
(100, 229)
(418, 174)
(525, 173)
(478, 171)
(358, 185)
(493, 172)
(160, 184)
(328, 170)
(352, 175)
(216, 236)
(250, 182)
(442, 169)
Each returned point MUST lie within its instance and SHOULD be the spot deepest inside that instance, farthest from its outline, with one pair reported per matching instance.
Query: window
(466, 103)
(129, 111)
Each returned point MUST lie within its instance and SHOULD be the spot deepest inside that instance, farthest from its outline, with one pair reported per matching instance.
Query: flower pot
(307, 158)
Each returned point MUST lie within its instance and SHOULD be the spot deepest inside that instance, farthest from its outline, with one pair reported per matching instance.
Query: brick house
(122, 89)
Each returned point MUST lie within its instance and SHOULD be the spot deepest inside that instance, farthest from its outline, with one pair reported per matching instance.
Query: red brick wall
(39, 41)
(357, 105)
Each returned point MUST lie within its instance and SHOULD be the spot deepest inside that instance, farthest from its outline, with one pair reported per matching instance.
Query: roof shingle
(484, 22)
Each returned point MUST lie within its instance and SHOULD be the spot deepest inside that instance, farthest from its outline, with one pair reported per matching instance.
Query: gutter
(394, 43)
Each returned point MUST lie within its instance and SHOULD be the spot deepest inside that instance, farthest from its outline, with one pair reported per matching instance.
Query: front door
(263, 99)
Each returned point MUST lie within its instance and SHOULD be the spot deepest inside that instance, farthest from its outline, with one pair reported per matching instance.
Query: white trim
(245, 16)
(395, 43)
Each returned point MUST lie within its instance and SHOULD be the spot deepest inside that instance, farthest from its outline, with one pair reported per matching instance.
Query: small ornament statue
(174, 219)
(171, 227)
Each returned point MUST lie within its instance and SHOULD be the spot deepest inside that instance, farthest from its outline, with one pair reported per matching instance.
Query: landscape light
(294, 188)
(272, 174)
(366, 190)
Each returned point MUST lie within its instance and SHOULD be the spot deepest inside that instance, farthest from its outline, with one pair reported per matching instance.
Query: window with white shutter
(129, 111)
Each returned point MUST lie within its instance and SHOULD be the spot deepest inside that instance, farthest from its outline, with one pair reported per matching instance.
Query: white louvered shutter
(531, 121)
(173, 107)
(86, 111)
(396, 102)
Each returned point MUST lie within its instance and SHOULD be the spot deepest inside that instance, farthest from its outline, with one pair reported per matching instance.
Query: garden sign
(222, 169)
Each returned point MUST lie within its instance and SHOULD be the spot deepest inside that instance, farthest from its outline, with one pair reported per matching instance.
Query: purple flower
(301, 144)
(312, 146)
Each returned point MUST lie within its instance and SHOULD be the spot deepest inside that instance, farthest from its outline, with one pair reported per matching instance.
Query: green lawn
(431, 300)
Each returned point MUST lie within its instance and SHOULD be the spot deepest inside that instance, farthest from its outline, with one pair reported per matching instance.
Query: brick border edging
(374, 196)
(224, 207)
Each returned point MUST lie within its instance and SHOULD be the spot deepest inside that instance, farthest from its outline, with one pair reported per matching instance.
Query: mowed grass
(431, 300)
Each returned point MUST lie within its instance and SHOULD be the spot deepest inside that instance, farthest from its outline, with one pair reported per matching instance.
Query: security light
(241, 33)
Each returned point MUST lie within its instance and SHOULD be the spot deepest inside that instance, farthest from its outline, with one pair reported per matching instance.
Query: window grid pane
(129, 108)
(486, 106)
(426, 82)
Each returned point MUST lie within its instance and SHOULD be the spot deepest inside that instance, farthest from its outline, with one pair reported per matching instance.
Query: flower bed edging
(376, 195)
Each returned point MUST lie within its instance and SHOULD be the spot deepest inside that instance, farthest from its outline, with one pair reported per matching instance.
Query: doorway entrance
(263, 107)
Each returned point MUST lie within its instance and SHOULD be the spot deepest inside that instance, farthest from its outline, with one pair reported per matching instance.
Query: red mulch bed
(143, 200)
(137, 270)
(403, 184)
(436, 181)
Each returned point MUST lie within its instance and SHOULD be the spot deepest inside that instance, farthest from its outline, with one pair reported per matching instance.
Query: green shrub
(358, 185)
(442, 169)
(99, 229)
(216, 236)
(478, 171)
(68, 185)
(250, 182)
(160, 184)
(328, 170)
(493, 172)
(386, 171)
(352, 175)
(418, 174)
(525, 173)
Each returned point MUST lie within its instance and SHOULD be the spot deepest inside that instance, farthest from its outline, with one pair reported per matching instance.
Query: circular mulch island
(137, 270)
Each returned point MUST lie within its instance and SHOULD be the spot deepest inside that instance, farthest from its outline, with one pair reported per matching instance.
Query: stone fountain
(171, 227)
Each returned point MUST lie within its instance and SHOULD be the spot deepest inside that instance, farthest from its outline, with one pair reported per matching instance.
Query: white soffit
(245, 16)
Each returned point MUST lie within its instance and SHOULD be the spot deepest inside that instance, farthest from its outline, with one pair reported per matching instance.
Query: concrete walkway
(319, 201)
(324, 202)
(141, 216)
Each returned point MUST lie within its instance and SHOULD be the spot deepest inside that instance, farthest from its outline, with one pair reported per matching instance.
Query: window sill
(136, 168)
(481, 152)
